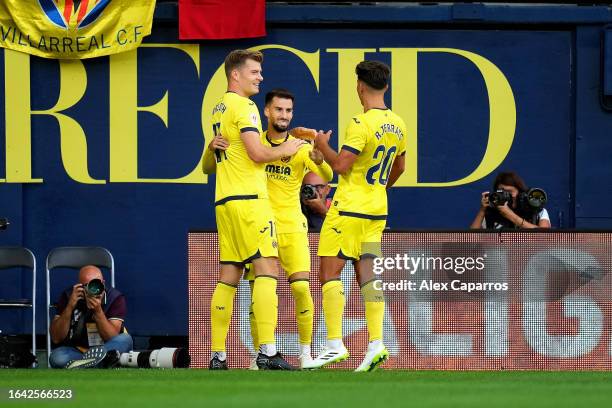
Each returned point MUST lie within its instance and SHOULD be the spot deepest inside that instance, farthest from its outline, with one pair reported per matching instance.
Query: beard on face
(279, 128)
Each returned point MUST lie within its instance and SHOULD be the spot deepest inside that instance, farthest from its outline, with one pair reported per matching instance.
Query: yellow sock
(253, 322)
(265, 308)
(333, 308)
(221, 306)
(374, 310)
(304, 308)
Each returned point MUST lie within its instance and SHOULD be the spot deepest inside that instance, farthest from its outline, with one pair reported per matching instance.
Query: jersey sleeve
(247, 117)
(402, 142)
(323, 170)
(356, 136)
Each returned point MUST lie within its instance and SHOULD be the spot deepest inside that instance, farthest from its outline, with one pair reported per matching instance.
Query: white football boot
(329, 356)
(376, 355)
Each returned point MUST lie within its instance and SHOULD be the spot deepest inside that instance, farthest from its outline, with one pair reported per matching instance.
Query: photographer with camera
(89, 315)
(512, 205)
(315, 202)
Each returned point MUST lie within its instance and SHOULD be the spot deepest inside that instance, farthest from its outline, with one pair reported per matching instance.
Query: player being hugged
(370, 161)
(245, 222)
(284, 184)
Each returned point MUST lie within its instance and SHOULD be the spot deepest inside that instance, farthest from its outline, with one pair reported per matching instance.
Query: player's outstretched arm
(398, 167)
(340, 163)
(260, 153)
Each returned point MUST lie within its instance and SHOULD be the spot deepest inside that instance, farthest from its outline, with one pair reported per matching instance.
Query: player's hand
(219, 143)
(78, 293)
(316, 156)
(322, 138)
(94, 303)
(484, 200)
(290, 147)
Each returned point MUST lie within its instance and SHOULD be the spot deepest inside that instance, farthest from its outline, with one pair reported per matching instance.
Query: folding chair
(18, 257)
(75, 258)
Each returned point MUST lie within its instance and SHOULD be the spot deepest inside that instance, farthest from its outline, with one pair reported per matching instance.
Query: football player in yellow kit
(371, 159)
(284, 184)
(245, 222)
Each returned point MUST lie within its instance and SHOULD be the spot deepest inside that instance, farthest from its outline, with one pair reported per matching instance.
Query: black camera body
(308, 192)
(531, 201)
(499, 197)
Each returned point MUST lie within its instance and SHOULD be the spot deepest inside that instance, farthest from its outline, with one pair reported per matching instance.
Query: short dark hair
(279, 93)
(510, 178)
(374, 74)
(237, 58)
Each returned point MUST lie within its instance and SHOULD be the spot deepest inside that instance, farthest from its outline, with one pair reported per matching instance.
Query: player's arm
(341, 162)
(315, 162)
(209, 165)
(218, 143)
(399, 164)
(260, 153)
(398, 167)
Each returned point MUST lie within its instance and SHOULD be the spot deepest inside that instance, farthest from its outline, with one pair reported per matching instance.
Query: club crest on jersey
(286, 159)
(73, 14)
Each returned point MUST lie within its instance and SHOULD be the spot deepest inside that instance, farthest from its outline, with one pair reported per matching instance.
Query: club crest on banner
(73, 13)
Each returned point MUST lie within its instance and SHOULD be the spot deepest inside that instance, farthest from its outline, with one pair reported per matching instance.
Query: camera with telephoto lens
(308, 192)
(166, 357)
(499, 198)
(94, 287)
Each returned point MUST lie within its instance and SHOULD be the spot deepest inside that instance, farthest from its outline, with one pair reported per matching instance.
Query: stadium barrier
(468, 300)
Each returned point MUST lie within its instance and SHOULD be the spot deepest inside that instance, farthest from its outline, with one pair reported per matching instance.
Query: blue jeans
(62, 355)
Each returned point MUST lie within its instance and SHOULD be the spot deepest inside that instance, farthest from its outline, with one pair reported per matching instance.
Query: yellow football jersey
(237, 175)
(284, 184)
(377, 136)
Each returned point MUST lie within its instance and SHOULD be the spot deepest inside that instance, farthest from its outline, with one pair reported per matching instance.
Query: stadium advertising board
(454, 301)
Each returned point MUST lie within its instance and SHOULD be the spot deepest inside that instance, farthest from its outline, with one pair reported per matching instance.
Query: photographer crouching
(89, 325)
(512, 205)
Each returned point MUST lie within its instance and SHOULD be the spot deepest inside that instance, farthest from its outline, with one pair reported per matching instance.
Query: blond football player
(371, 159)
(245, 222)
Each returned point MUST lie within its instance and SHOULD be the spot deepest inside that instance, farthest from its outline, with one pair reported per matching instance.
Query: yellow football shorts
(246, 231)
(350, 235)
(293, 253)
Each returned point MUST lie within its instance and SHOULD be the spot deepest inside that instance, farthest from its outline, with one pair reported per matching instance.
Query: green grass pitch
(326, 388)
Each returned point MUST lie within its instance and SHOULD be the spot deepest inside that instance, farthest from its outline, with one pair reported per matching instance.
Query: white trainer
(373, 358)
(329, 356)
(253, 365)
(306, 362)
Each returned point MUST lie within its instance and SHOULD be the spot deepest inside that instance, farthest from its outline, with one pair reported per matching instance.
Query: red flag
(221, 19)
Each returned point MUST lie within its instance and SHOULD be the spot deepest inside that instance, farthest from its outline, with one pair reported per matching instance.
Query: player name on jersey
(389, 128)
